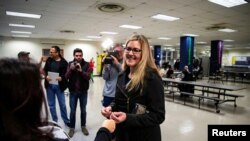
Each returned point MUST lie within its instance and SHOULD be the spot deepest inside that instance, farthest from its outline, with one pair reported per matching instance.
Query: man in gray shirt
(110, 72)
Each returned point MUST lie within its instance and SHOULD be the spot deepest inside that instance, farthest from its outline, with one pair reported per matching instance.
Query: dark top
(187, 76)
(177, 65)
(79, 81)
(169, 74)
(145, 108)
(56, 66)
(103, 134)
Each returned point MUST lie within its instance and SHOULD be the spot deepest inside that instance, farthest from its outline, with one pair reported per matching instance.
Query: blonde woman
(139, 107)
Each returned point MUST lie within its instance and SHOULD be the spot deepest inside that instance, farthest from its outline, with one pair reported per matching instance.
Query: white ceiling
(83, 17)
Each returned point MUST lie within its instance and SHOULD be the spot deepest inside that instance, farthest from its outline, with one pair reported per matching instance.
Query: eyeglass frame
(134, 50)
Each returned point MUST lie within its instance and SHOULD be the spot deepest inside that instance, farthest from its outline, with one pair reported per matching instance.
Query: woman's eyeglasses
(134, 50)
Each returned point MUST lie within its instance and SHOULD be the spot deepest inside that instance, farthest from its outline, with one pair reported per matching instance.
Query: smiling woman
(139, 107)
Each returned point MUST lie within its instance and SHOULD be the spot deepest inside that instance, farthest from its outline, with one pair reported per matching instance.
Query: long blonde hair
(147, 61)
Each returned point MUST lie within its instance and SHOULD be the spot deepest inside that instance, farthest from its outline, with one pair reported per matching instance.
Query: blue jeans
(107, 100)
(74, 96)
(52, 92)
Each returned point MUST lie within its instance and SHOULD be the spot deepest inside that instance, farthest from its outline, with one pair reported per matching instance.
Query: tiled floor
(182, 123)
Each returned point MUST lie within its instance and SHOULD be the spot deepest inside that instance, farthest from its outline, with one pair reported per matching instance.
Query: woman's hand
(118, 117)
(106, 111)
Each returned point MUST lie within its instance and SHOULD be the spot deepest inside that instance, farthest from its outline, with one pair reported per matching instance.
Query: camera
(75, 64)
(109, 59)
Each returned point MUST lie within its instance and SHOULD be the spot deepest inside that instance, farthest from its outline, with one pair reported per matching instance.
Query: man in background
(55, 83)
(110, 74)
(23, 56)
(78, 75)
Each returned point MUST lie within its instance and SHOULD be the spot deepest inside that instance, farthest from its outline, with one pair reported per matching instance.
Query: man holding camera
(112, 66)
(78, 75)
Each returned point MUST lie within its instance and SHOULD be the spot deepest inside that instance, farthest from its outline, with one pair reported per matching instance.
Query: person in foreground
(105, 132)
(22, 101)
(138, 108)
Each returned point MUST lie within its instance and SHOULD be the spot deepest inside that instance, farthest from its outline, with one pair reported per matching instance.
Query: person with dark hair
(177, 64)
(21, 106)
(187, 76)
(139, 107)
(78, 75)
(23, 56)
(170, 72)
(24, 111)
(55, 83)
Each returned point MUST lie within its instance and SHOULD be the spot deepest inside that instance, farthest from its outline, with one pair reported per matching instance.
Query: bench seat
(200, 97)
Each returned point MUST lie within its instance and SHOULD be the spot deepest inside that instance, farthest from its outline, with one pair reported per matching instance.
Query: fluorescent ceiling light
(168, 45)
(228, 3)
(201, 43)
(227, 30)
(228, 40)
(107, 43)
(27, 15)
(25, 36)
(171, 49)
(94, 37)
(131, 26)
(86, 39)
(21, 32)
(164, 38)
(192, 35)
(22, 25)
(107, 32)
(164, 17)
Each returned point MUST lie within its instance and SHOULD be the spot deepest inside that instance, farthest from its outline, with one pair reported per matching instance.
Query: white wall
(9, 47)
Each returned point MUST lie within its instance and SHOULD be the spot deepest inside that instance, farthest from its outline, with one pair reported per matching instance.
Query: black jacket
(62, 70)
(103, 134)
(84, 76)
(148, 100)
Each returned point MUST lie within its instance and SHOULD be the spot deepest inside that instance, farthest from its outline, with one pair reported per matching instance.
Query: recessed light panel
(27, 15)
(107, 32)
(227, 30)
(22, 25)
(192, 35)
(164, 17)
(21, 32)
(131, 26)
(94, 37)
(164, 38)
(228, 3)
